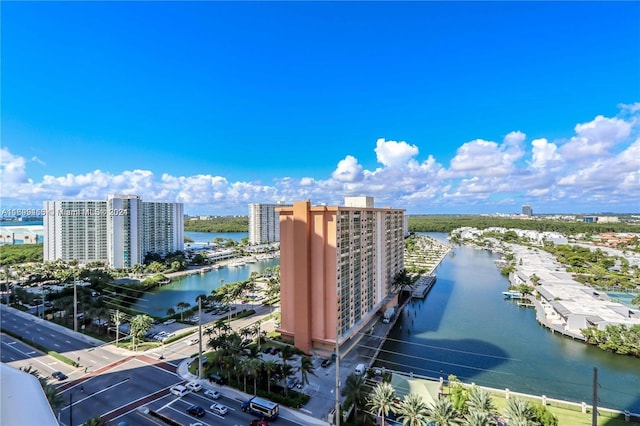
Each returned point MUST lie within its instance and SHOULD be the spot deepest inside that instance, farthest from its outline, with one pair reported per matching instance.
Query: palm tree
(243, 366)
(479, 418)
(54, 398)
(286, 370)
(306, 368)
(287, 353)
(402, 282)
(171, 312)
(413, 411)
(382, 400)
(246, 332)
(96, 421)
(117, 317)
(181, 307)
(270, 367)
(140, 324)
(355, 390)
(520, 413)
(254, 369)
(480, 400)
(443, 413)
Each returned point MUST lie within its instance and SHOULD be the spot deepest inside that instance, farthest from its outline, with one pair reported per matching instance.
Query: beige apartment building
(337, 265)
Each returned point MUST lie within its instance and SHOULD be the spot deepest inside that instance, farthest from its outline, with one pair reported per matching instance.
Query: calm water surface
(187, 288)
(466, 328)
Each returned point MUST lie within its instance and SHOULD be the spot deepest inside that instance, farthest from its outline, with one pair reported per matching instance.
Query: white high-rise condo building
(119, 231)
(264, 223)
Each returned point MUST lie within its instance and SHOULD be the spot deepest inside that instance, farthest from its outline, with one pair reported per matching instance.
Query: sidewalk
(285, 412)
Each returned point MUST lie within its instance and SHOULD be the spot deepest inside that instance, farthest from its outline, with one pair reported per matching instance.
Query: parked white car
(194, 386)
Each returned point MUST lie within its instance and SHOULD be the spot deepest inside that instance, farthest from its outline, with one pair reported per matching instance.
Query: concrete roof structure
(22, 400)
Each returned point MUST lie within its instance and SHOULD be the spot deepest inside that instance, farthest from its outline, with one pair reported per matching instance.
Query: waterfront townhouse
(337, 265)
(119, 231)
(566, 305)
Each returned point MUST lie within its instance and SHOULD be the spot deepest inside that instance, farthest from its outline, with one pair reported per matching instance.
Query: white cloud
(486, 158)
(348, 170)
(599, 164)
(12, 168)
(394, 154)
(631, 108)
(544, 154)
(596, 138)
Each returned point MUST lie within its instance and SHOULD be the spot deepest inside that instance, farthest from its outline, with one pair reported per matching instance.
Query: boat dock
(423, 286)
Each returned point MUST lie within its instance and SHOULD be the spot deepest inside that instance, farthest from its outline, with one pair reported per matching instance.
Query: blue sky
(449, 107)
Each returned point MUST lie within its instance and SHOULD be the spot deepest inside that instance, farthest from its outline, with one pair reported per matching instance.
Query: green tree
(53, 396)
(255, 365)
(96, 421)
(480, 400)
(544, 416)
(382, 400)
(269, 367)
(355, 391)
(182, 306)
(520, 413)
(479, 418)
(413, 411)
(443, 413)
(117, 318)
(140, 324)
(306, 368)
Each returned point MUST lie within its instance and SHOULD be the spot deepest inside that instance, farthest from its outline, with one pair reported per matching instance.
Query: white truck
(388, 315)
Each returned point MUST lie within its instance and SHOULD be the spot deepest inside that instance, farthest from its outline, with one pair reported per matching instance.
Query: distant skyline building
(119, 231)
(264, 223)
(527, 210)
(337, 265)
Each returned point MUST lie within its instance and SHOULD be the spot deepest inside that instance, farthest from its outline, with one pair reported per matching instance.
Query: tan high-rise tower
(337, 264)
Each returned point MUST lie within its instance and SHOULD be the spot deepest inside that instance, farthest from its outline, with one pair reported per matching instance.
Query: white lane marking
(132, 402)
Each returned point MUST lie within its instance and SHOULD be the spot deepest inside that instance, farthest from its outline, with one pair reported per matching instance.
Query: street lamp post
(71, 405)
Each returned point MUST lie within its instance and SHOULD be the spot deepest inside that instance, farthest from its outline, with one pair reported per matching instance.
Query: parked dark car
(196, 410)
(214, 378)
(259, 422)
(326, 362)
(267, 350)
(59, 375)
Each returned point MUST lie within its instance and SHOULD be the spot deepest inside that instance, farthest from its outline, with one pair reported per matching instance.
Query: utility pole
(199, 337)
(75, 301)
(594, 413)
(337, 415)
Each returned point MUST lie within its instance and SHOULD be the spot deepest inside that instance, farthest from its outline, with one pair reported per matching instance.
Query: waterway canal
(188, 287)
(466, 328)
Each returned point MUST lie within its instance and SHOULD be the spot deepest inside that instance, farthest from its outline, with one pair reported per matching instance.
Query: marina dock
(423, 286)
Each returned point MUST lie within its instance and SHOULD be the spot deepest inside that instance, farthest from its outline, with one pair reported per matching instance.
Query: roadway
(18, 354)
(90, 353)
(118, 384)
